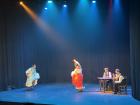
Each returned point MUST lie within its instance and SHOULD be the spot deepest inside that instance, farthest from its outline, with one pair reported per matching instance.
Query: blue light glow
(93, 1)
(50, 1)
(117, 4)
(64, 5)
(46, 8)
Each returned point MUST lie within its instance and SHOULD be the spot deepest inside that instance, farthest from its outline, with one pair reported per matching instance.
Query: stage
(65, 94)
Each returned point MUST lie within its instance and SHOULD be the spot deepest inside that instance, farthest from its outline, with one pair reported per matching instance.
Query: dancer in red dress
(77, 76)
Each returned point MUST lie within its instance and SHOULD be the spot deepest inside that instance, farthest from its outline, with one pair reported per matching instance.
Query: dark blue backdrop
(96, 34)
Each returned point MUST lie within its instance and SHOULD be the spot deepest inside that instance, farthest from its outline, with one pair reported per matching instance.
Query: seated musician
(107, 74)
(117, 80)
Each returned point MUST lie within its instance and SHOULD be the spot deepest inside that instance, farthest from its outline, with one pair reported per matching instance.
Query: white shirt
(107, 75)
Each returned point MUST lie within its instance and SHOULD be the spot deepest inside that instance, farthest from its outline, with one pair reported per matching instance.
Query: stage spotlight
(20, 2)
(64, 5)
(50, 1)
(93, 1)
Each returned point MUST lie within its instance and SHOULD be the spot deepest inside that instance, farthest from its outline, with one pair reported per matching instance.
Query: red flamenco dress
(77, 79)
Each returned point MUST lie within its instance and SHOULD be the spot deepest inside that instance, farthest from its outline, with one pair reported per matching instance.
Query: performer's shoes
(114, 92)
(29, 88)
(80, 90)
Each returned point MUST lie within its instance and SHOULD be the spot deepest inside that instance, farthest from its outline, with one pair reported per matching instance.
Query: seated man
(107, 74)
(117, 80)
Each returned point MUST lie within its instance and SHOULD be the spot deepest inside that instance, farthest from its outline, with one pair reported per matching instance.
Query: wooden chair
(123, 86)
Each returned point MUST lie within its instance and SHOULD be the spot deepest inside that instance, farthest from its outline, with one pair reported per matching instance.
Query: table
(102, 82)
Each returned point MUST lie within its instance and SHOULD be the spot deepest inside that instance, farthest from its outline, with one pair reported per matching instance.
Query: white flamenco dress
(32, 77)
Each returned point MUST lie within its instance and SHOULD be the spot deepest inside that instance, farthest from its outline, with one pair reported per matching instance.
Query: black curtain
(22, 44)
(135, 46)
(3, 57)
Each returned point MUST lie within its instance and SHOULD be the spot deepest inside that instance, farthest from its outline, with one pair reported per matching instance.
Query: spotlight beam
(45, 27)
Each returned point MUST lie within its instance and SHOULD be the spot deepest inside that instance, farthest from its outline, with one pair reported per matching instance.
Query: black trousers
(116, 87)
(109, 84)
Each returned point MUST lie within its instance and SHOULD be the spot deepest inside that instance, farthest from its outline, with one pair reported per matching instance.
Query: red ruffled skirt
(77, 80)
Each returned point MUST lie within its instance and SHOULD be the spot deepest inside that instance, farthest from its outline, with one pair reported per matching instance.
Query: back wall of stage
(97, 35)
